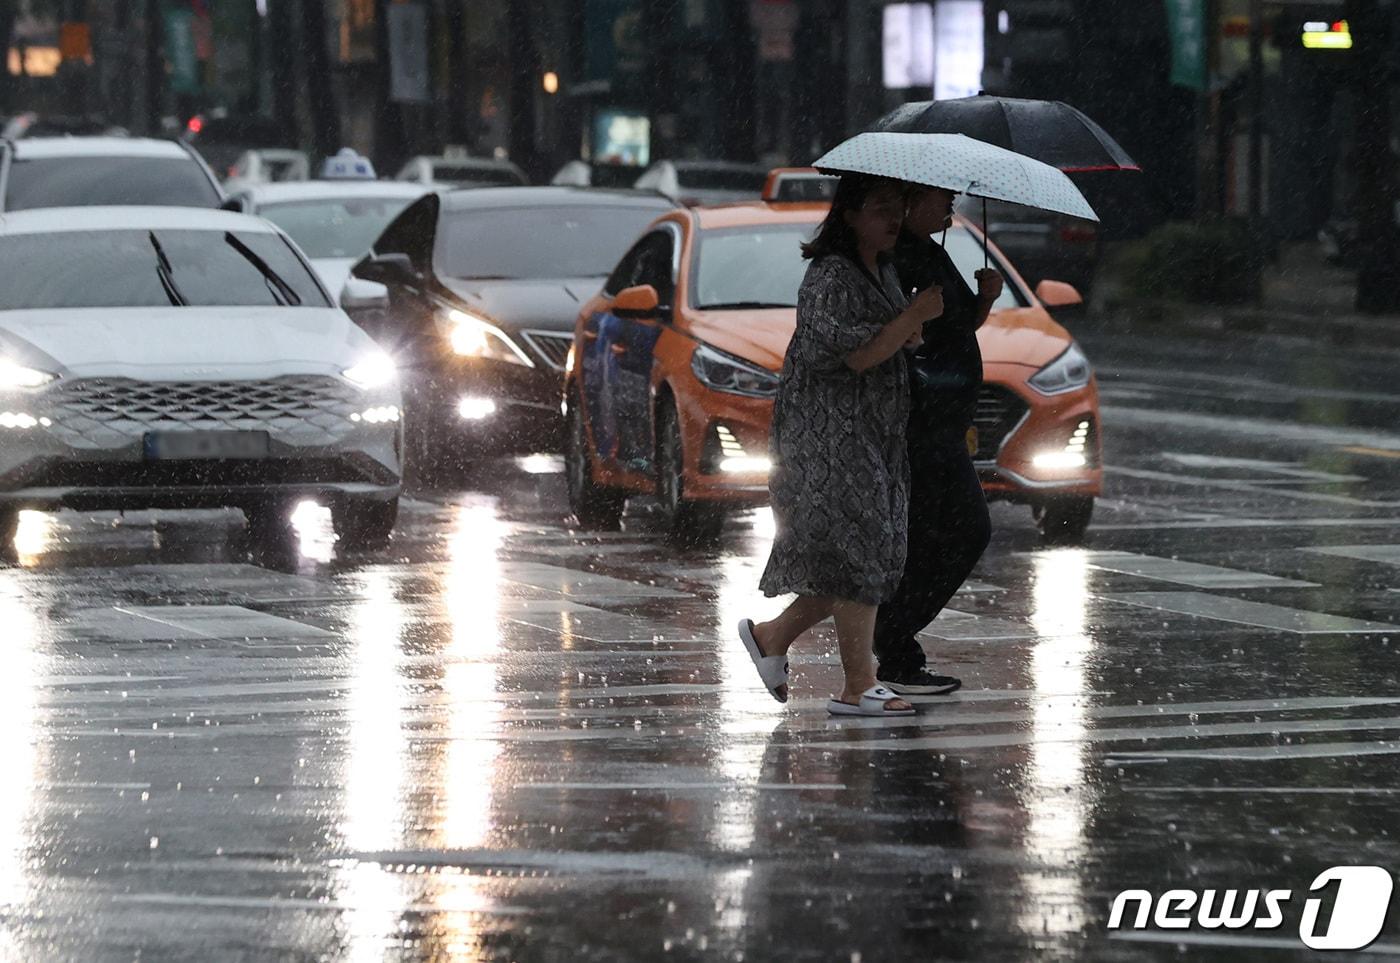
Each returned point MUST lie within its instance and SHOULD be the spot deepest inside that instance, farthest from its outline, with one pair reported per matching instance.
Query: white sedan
(167, 357)
(334, 222)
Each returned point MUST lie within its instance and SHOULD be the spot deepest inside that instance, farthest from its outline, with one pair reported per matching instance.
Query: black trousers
(949, 529)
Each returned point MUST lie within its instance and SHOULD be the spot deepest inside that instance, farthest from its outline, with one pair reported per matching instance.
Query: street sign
(180, 51)
(1186, 23)
(408, 53)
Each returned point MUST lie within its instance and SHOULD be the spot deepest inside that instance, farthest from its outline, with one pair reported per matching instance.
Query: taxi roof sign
(798, 185)
(347, 165)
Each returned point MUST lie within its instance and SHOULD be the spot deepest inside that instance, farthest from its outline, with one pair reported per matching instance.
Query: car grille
(552, 347)
(109, 412)
(999, 410)
(204, 473)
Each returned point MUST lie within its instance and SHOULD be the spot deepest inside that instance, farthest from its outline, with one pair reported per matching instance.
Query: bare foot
(763, 635)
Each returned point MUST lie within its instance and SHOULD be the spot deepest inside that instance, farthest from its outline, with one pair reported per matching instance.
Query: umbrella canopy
(961, 164)
(1049, 131)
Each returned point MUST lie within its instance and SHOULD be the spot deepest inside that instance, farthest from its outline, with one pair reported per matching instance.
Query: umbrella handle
(986, 238)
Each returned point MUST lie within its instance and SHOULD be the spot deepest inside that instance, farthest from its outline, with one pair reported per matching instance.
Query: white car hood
(334, 272)
(189, 342)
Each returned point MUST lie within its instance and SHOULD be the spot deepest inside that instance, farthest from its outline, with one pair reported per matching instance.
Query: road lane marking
(1187, 573)
(947, 718)
(1256, 614)
(952, 625)
(1194, 481)
(167, 623)
(1263, 790)
(1289, 469)
(1329, 436)
(1383, 554)
(579, 584)
(1221, 522)
(1079, 735)
(683, 786)
(1315, 750)
(1371, 452)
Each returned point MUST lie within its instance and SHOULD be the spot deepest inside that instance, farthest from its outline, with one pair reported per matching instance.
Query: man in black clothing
(948, 523)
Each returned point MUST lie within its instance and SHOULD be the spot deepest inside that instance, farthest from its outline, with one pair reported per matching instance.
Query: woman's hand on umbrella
(989, 285)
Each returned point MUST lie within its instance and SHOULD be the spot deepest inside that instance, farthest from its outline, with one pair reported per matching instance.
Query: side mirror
(636, 302)
(361, 295)
(385, 269)
(234, 204)
(1058, 294)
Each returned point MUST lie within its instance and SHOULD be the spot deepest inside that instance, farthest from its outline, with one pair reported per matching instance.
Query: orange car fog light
(745, 466)
(735, 460)
(1059, 459)
(1073, 455)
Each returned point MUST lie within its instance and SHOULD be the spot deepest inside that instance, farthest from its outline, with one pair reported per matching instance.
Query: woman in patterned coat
(840, 482)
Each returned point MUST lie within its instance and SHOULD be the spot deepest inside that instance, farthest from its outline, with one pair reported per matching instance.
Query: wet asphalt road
(500, 739)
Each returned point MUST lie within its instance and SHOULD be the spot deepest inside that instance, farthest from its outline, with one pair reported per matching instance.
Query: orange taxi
(671, 379)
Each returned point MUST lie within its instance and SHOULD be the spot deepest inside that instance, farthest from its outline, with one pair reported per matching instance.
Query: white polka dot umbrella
(961, 164)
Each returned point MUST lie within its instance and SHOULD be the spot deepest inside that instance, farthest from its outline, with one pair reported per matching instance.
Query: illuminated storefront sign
(1321, 35)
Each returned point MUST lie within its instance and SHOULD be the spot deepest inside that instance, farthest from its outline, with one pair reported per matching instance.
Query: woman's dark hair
(835, 236)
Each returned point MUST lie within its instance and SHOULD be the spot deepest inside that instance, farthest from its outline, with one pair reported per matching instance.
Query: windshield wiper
(281, 290)
(744, 306)
(166, 273)
(490, 277)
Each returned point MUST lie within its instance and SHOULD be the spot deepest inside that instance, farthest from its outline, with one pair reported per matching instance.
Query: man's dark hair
(835, 236)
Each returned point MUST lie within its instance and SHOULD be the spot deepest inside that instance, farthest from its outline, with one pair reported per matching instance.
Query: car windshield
(721, 179)
(538, 242)
(335, 227)
(123, 269)
(105, 181)
(750, 267)
(757, 267)
(473, 176)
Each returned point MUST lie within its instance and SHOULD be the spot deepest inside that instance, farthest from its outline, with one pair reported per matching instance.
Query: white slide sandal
(772, 669)
(872, 703)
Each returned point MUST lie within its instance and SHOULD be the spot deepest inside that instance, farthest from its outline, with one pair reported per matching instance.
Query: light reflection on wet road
(501, 739)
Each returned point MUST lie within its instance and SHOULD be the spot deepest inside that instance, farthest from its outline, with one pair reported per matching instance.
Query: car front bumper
(1043, 426)
(84, 444)
(489, 406)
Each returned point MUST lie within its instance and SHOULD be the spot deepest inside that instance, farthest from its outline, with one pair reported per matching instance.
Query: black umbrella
(1049, 131)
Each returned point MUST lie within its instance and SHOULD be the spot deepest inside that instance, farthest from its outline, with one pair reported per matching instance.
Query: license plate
(167, 445)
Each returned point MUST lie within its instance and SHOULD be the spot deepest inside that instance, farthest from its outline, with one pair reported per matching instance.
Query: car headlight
(374, 371)
(1069, 371)
(18, 376)
(725, 373)
(474, 337)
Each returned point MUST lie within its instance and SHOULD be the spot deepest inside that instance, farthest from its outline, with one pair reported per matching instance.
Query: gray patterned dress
(840, 481)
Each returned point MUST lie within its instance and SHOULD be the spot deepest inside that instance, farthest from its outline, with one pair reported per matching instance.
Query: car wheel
(1063, 520)
(269, 523)
(360, 523)
(688, 521)
(9, 527)
(596, 507)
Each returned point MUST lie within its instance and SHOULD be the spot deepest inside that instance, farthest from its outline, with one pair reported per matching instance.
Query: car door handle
(618, 349)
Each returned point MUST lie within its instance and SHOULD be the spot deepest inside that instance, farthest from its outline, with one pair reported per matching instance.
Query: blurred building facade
(776, 81)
